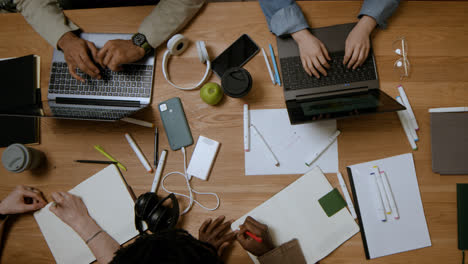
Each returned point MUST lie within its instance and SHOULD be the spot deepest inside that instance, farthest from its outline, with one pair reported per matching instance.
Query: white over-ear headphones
(175, 46)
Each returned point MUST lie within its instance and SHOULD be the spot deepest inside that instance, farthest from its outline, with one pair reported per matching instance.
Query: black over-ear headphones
(149, 208)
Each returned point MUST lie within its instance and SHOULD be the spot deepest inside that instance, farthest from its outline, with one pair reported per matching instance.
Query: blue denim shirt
(285, 16)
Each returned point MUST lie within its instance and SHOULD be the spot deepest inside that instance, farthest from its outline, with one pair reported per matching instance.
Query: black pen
(156, 143)
(96, 161)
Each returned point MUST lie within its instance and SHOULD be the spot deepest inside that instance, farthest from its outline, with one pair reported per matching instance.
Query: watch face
(138, 39)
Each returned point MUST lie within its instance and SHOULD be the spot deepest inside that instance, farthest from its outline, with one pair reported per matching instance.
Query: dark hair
(172, 246)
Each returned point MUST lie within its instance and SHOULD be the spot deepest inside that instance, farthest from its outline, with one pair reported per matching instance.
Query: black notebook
(462, 215)
(21, 96)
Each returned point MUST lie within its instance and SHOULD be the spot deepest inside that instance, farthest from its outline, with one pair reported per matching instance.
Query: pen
(272, 54)
(156, 145)
(138, 152)
(256, 238)
(346, 195)
(412, 117)
(321, 149)
(386, 185)
(246, 128)
(268, 66)
(272, 155)
(406, 128)
(137, 122)
(96, 161)
(101, 150)
(157, 175)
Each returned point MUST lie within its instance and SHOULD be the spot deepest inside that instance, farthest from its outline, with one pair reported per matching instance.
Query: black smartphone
(235, 55)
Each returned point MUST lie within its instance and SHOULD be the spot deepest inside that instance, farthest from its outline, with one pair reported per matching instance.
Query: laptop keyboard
(134, 81)
(89, 113)
(295, 77)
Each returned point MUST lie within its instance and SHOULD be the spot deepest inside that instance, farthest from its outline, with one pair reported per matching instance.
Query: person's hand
(77, 53)
(21, 200)
(71, 210)
(258, 229)
(118, 51)
(358, 42)
(217, 233)
(314, 54)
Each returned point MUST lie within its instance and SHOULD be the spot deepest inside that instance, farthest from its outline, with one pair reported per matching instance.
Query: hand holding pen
(254, 237)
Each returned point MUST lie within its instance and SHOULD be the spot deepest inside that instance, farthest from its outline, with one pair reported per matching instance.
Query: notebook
(449, 142)
(410, 231)
(462, 215)
(24, 130)
(295, 212)
(109, 203)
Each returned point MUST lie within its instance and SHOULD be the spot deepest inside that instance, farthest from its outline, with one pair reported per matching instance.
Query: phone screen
(235, 55)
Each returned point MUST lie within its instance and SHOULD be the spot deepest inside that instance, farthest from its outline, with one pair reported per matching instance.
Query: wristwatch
(140, 40)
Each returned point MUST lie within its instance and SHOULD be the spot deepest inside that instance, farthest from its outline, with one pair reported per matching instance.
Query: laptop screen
(340, 106)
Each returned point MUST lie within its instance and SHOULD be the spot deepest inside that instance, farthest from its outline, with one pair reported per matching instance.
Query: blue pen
(272, 54)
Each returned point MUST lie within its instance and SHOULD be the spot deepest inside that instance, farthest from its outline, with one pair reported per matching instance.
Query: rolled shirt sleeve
(47, 18)
(380, 10)
(168, 17)
(283, 16)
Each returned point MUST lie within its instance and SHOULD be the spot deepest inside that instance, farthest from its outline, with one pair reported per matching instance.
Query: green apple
(211, 93)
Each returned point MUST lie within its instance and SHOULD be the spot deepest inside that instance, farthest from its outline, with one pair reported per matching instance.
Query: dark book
(462, 215)
(24, 130)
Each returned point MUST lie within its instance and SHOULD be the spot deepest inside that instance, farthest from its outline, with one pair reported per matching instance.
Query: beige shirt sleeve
(288, 253)
(168, 17)
(46, 17)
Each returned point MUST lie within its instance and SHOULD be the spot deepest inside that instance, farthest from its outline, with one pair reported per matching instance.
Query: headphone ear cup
(177, 44)
(202, 52)
(156, 219)
(145, 203)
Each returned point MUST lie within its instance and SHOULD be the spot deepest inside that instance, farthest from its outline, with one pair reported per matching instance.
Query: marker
(448, 110)
(412, 117)
(389, 192)
(383, 194)
(406, 128)
(410, 125)
(268, 67)
(380, 208)
(321, 149)
(159, 169)
(137, 122)
(246, 128)
(138, 152)
(272, 155)
(256, 238)
(101, 150)
(346, 195)
(272, 54)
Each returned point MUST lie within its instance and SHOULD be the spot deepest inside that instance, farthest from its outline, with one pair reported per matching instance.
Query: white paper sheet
(295, 212)
(291, 144)
(109, 203)
(393, 236)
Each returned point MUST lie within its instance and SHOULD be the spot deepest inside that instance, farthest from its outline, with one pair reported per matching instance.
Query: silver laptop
(116, 95)
(342, 93)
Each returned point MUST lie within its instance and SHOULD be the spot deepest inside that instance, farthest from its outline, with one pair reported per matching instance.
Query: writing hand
(118, 51)
(314, 54)
(258, 229)
(77, 53)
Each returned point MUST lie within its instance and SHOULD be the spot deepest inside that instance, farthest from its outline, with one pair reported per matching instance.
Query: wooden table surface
(437, 36)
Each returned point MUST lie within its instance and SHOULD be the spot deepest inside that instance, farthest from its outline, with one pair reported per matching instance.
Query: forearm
(283, 16)
(46, 17)
(168, 17)
(380, 10)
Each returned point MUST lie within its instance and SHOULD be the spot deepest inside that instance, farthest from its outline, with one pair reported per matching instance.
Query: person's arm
(72, 211)
(373, 13)
(168, 17)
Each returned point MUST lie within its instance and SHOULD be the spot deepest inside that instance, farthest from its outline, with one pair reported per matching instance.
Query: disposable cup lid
(15, 158)
(236, 82)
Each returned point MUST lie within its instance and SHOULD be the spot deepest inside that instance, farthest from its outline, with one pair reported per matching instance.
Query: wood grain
(437, 35)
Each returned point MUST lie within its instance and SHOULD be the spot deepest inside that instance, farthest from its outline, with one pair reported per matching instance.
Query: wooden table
(437, 35)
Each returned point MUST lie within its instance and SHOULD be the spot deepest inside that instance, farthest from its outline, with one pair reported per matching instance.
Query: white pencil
(138, 152)
(137, 122)
(346, 194)
(386, 185)
(159, 169)
(321, 149)
(246, 128)
(268, 67)
(404, 124)
(272, 155)
(412, 117)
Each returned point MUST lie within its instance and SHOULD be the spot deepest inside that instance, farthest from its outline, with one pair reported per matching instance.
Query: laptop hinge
(326, 94)
(100, 102)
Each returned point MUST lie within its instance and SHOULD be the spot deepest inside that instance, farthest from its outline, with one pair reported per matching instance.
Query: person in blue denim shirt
(285, 17)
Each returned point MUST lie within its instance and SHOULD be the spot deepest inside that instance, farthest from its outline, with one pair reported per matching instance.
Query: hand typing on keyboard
(117, 52)
(77, 53)
(314, 54)
(358, 42)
